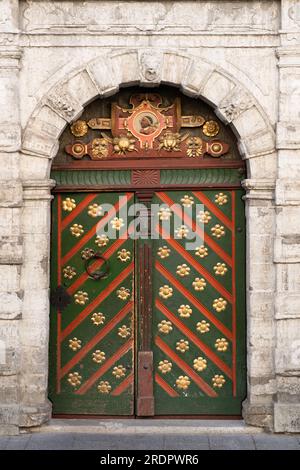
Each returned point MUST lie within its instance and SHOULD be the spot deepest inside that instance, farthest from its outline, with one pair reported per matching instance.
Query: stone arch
(63, 103)
(103, 76)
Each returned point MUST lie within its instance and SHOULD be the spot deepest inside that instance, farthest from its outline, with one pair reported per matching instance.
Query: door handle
(103, 272)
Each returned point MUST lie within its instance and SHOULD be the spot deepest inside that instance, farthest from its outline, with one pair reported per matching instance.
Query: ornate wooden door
(199, 304)
(92, 323)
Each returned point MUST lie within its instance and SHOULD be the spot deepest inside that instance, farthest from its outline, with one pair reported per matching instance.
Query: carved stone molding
(259, 189)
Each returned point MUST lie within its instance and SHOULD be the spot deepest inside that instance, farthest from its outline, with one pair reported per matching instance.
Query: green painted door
(92, 324)
(199, 303)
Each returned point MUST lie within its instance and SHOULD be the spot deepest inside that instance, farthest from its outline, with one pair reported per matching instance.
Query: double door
(147, 303)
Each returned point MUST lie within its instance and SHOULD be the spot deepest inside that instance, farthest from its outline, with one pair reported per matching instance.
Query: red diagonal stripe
(79, 208)
(189, 258)
(162, 270)
(191, 336)
(106, 366)
(165, 386)
(84, 313)
(99, 225)
(209, 241)
(95, 340)
(123, 386)
(212, 207)
(186, 368)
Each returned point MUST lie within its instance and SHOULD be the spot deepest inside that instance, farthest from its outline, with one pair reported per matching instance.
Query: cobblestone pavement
(167, 441)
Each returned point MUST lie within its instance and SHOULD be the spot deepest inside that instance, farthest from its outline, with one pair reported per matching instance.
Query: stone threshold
(145, 426)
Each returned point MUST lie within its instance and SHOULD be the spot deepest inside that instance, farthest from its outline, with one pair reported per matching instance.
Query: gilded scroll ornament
(123, 144)
(171, 141)
(98, 318)
(211, 128)
(74, 379)
(165, 327)
(165, 291)
(183, 382)
(98, 356)
(165, 366)
(194, 147)
(104, 387)
(79, 128)
(75, 344)
(68, 204)
(219, 304)
(99, 148)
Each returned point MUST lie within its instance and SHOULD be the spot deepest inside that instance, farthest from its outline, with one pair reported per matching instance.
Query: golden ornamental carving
(195, 147)
(218, 231)
(182, 231)
(68, 204)
(104, 387)
(119, 371)
(165, 327)
(221, 199)
(204, 217)
(201, 251)
(117, 223)
(99, 148)
(76, 230)
(182, 345)
(220, 269)
(75, 344)
(87, 253)
(183, 382)
(200, 364)
(165, 366)
(163, 252)
(199, 284)
(183, 270)
(218, 381)
(124, 331)
(203, 327)
(69, 272)
(185, 311)
(124, 255)
(221, 344)
(101, 240)
(211, 128)
(74, 379)
(164, 213)
(79, 128)
(219, 304)
(81, 297)
(123, 293)
(187, 201)
(171, 141)
(98, 356)
(94, 210)
(165, 291)
(123, 144)
(98, 318)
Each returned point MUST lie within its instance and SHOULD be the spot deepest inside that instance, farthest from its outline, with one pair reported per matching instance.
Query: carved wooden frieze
(144, 129)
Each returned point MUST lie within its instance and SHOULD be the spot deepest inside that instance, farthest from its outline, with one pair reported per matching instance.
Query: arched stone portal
(64, 103)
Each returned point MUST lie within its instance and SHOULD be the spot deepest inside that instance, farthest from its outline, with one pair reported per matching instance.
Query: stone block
(125, 67)
(196, 77)
(258, 144)
(36, 167)
(261, 276)
(288, 222)
(11, 250)
(11, 169)
(217, 87)
(39, 244)
(256, 414)
(288, 389)
(9, 277)
(260, 304)
(287, 249)
(38, 144)
(35, 274)
(260, 248)
(9, 415)
(10, 305)
(36, 306)
(35, 415)
(10, 193)
(102, 74)
(174, 68)
(287, 417)
(82, 87)
(9, 390)
(289, 164)
(287, 305)
(47, 123)
(260, 361)
(33, 387)
(287, 192)
(260, 220)
(287, 352)
(36, 217)
(10, 219)
(262, 165)
(261, 331)
(287, 135)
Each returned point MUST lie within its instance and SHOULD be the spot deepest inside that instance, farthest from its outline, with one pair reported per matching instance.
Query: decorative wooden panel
(91, 353)
(199, 305)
